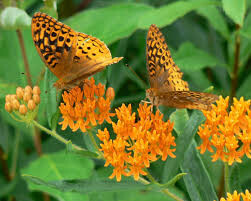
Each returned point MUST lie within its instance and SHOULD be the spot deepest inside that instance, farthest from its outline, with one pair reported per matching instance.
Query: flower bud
(8, 107)
(15, 104)
(100, 90)
(20, 92)
(110, 93)
(8, 98)
(22, 109)
(28, 89)
(13, 97)
(27, 96)
(36, 90)
(31, 104)
(36, 98)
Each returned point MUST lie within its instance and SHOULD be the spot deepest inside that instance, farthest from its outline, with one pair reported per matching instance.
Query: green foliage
(201, 35)
(235, 10)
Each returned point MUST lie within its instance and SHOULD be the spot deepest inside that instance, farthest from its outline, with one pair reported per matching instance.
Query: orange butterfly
(167, 86)
(70, 55)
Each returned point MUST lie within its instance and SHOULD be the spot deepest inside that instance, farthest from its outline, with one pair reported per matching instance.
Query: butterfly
(71, 56)
(167, 87)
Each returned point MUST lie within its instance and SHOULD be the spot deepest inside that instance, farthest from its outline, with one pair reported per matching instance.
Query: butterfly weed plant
(105, 140)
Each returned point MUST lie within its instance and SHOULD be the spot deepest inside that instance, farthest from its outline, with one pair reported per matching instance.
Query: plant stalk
(226, 178)
(56, 135)
(25, 59)
(234, 81)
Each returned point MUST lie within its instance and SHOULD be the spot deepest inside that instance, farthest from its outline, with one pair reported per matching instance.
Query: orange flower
(83, 109)
(136, 143)
(228, 133)
(236, 196)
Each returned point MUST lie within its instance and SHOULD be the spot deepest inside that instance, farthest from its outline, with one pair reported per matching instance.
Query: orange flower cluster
(82, 108)
(137, 143)
(227, 133)
(26, 99)
(236, 196)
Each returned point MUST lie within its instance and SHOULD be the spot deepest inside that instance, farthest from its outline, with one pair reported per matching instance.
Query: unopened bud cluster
(25, 99)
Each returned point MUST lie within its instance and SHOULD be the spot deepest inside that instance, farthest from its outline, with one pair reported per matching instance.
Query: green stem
(94, 142)
(24, 55)
(226, 177)
(150, 177)
(55, 135)
(166, 191)
(234, 81)
(15, 155)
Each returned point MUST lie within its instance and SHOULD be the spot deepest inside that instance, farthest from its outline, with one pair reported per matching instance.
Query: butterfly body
(71, 56)
(167, 86)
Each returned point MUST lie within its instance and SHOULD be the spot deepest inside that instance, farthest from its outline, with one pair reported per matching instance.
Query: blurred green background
(201, 35)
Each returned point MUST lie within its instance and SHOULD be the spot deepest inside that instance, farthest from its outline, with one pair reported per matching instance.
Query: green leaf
(244, 89)
(58, 166)
(50, 7)
(92, 21)
(14, 18)
(235, 10)
(246, 29)
(173, 180)
(190, 58)
(133, 76)
(54, 119)
(234, 180)
(51, 99)
(8, 188)
(216, 19)
(197, 181)
(245, 177)
(143, 17)
(88, 185)
(182, 144)
(179, 118)
(166, 15)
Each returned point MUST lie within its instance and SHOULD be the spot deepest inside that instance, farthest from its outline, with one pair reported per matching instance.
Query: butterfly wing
(70, 55)
(163, 72)
(54, 43)
(187, 99)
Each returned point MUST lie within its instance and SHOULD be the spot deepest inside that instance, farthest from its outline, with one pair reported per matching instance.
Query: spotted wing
(70, 55)
(54, 42)
(163, 72)
(187, 99)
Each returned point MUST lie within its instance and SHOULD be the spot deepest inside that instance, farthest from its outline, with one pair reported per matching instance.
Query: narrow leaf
(197, 180)
(190, 58)
(246, 29)
(216, 19)
(234, 180)
(117, 28)
(166, 15)
(235, 10)
(179, 118)
(182, 143)
(244, 89)
(88, 185)
(173, 180)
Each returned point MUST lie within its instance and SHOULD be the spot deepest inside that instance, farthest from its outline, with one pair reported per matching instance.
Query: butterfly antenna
(135, 73)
